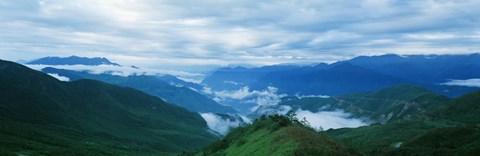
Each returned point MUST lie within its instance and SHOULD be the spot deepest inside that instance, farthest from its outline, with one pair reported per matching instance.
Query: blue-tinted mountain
(364, 73)
(73, 60)
(335, 79)
(176, 81)
(321, 79)
(176, 94)
(237, 77)
(423, 68)
(40, 115)
(426, 70)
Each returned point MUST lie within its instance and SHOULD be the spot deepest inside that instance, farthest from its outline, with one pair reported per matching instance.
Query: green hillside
(451, 128)
(383, 106)
(276, 135)
(40, 115)
(465, 109)
(179, 95)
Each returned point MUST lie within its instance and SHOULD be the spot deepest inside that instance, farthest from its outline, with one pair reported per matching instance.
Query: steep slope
(73, 60)
(450, 129)
(276, 135)
(179, 95)
(40, 115)
(384, 105)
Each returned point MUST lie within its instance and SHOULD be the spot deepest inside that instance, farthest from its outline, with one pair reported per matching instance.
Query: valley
(239, 78)
(109, 114)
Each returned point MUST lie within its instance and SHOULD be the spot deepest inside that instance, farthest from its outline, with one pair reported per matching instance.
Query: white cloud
(116, 70)
(236, 94)
(192, 33)
(265, 97)
(269, 109)
(221, 125)
(468, 83)
(330, 119)
(61, 78)
(260, 98)
(314, 96)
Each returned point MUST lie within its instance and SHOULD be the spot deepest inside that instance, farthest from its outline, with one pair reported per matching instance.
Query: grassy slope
(41, 115)
(450, 129)
(276, 135)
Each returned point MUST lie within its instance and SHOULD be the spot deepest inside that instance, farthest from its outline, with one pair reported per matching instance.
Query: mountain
(465, 109)
(40, 115)
(335, 79)
(276, 135)
(363, 73)
(229, 78)
(321, 79)
(426, 70)
(450, 128)
(444, 127)
(423, 68)
(175, 94)
(172, 80)
(386, 105)
(73, 60)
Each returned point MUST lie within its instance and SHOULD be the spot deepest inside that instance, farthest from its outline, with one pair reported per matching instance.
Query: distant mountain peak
(73, 60)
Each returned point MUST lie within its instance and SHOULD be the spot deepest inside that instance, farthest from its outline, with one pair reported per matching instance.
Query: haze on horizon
(181, 35)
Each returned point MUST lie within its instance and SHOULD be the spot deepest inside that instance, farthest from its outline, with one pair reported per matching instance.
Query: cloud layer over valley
(330, 119)
(467, 83)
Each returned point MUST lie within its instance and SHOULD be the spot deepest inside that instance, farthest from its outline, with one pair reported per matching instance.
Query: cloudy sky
(172, 33)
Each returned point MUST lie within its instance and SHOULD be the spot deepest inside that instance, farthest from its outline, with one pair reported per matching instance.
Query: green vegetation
(451, 128)
(179, 95)
(276, 135)
(465, 109)
(386, 105)
(40, 115)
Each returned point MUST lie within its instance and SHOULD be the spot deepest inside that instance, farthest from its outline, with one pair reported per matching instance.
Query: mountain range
(423, 123)
(404, 104)
(41, 115)
(73, 60)
(173, 92)
(364, 73)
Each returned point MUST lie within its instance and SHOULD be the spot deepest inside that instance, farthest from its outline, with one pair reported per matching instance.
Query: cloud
(467, 83)
(314, 96)
(236, 94)
(117, 70)
(269, 110)
(61, 78)
(265, 97)
(223, 125)
(330, 119)
(217, 33)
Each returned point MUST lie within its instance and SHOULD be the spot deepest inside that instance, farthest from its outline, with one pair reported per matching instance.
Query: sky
(192, 34)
